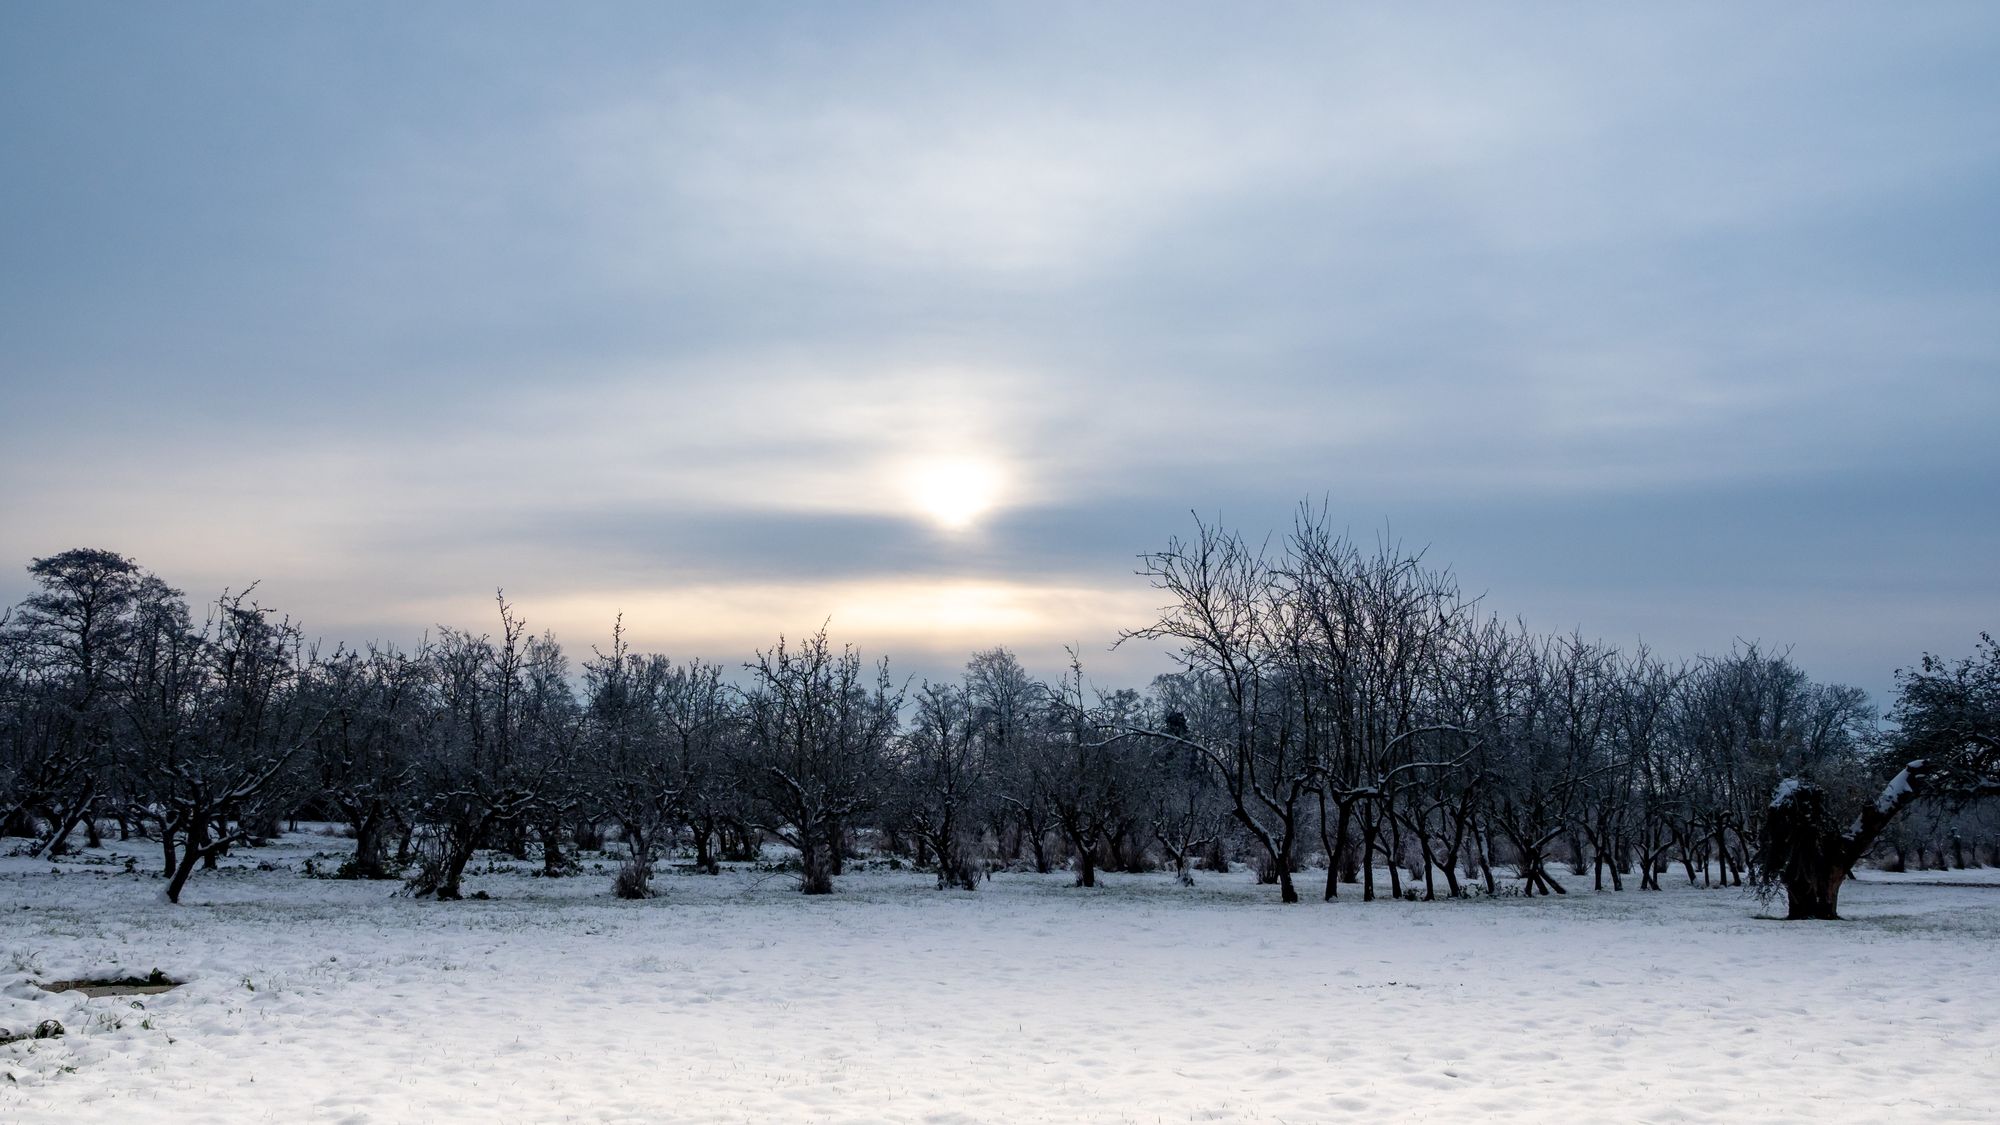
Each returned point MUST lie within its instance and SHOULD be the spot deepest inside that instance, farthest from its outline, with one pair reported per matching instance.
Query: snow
(1786, 789)
(735, 999)
(1898, 789)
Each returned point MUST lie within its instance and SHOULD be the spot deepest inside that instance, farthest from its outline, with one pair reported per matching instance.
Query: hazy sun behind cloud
(954, 492)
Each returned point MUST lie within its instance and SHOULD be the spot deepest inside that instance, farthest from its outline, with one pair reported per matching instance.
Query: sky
(1678, 326)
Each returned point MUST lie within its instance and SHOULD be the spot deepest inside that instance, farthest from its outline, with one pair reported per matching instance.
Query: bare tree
(1185, 807)
(1222, 620)
(474, 776)
(1082, 768)
(816, 735)
(376, 708)
(250, 722)
(551, 732)
(68, 639)
(942, 778)
(704, 732)
(1546, 741)
(1642, 726)
(1010, 709)
(160, 700)
(635, 778)
(1369, 639)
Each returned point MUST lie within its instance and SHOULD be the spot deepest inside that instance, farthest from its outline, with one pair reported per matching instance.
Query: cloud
(402, 310)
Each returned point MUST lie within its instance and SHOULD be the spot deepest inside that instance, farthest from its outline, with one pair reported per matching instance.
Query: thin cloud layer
(724, 318)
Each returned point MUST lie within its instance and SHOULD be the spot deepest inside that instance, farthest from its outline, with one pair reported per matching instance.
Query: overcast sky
(1680, 324)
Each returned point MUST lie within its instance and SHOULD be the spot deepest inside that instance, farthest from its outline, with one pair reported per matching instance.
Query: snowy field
(736, 999)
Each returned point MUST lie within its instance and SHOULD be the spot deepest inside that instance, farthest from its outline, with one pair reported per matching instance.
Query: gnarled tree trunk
(1805, 851)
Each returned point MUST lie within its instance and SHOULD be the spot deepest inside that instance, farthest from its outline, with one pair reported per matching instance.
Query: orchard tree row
(1335, 708)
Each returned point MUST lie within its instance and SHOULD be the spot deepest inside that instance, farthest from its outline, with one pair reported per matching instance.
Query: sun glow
(954, 492)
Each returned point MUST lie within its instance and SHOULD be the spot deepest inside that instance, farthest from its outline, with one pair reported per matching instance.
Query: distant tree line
(1335, 709)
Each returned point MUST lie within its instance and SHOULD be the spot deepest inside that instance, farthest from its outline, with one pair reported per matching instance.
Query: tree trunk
(1368, 830)
(196, 846)
(1215, 857)
(1429, 861)
(704, 849)
(816, 872)
(1392, 845)
(1086, 864)
(1813, 897)
(634, 879)
(1286, 891)
(189, 857)
(1336, 847)
(954, 861)
(836, 848)
(63, 823)
(553, 861)
(459, 853)
(1041, 850)
(371, 846)
(735, 842)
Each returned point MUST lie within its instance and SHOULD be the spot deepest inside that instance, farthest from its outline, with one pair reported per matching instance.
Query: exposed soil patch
(156, 982)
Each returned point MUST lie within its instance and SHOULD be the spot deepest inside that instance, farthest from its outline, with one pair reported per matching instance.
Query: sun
(954, 491)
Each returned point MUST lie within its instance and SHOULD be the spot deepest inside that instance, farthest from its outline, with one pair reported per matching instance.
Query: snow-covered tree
(1947, 740)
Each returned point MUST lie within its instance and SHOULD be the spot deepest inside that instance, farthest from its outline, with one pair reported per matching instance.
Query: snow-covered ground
(736, 999)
